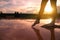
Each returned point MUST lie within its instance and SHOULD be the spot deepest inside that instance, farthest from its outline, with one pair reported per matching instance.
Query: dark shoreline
(24, 16)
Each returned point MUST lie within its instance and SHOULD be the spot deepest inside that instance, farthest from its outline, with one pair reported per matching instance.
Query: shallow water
(20, 29)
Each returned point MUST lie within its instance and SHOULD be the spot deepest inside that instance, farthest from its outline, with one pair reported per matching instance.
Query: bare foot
(36, 22)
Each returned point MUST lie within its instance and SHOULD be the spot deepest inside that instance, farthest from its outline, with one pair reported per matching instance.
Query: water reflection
(43, 21)
(46, 21)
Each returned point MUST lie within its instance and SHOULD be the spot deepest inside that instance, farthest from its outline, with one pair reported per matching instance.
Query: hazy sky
(21, 5)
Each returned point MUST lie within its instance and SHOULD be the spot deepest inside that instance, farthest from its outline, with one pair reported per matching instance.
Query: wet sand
(20, 29)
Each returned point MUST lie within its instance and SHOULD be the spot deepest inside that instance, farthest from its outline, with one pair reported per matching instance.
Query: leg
(43, 4)
(53, 4)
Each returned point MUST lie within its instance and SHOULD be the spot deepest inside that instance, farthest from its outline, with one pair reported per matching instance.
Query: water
(20, 29)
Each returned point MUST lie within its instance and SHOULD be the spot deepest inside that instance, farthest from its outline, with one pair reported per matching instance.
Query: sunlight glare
(46, 21)
(48, 8)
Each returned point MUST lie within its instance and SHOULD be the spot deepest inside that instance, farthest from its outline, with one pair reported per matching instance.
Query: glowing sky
(22, 5)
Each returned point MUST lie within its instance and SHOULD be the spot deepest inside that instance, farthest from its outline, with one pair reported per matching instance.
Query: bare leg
(43, 4)
(54, 6)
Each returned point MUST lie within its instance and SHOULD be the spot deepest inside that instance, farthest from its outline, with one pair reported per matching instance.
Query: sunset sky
(29, 6)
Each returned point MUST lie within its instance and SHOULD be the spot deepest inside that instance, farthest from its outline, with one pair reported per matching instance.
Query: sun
(48, 8)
